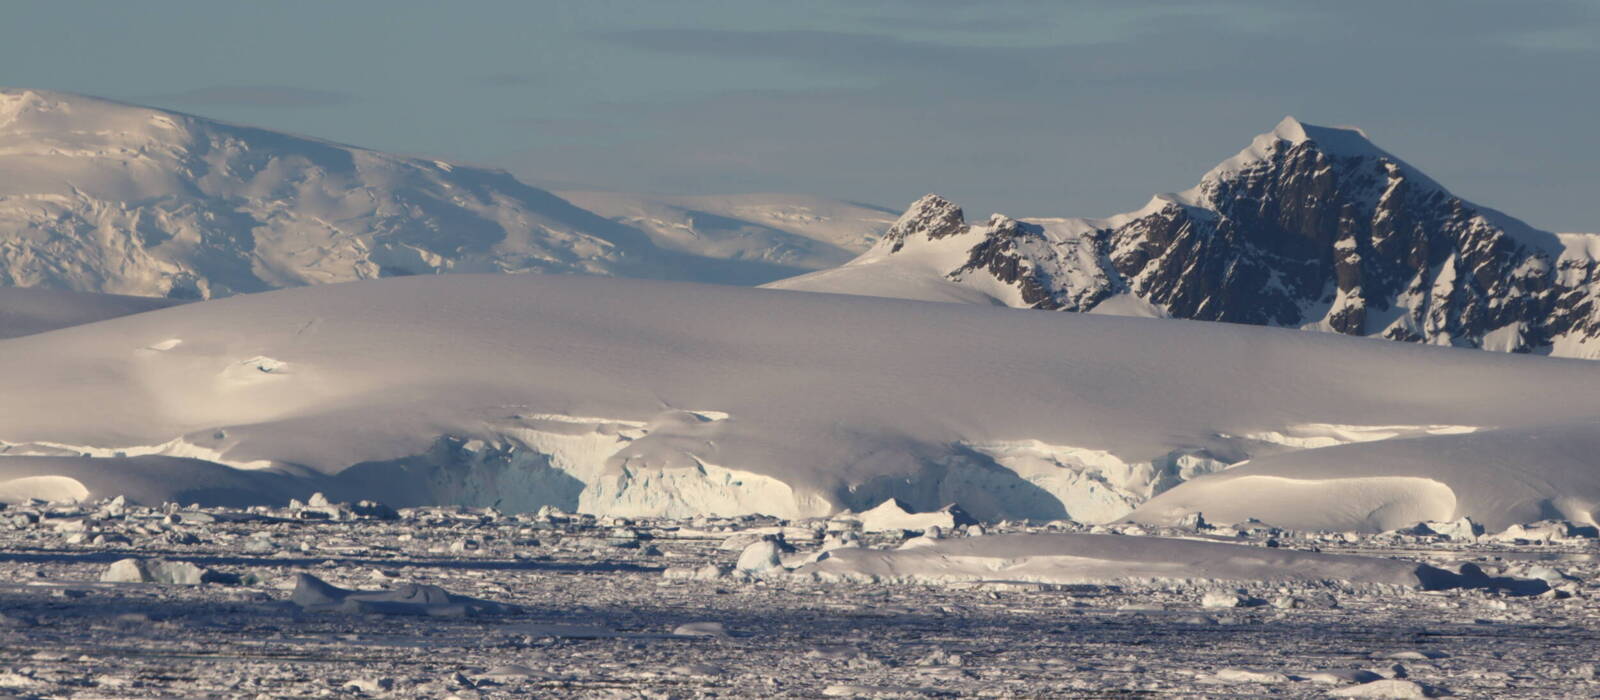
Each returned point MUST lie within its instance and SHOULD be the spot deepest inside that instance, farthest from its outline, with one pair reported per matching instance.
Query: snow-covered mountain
(799, 231)
(642, 397)
(1309, 227)
(102, 196)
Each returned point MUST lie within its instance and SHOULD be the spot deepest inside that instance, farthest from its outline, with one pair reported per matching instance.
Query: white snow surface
(1082, 558)
(638, 397)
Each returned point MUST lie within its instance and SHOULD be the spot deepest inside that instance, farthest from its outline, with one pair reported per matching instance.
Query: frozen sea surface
(602, 608)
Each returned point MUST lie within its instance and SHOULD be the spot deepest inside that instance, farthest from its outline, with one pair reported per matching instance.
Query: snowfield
(641, 398)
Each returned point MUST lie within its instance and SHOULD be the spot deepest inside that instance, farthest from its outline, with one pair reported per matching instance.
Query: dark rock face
(1339, 236)
(931, 217)
(1067, 275)
(1358, 243)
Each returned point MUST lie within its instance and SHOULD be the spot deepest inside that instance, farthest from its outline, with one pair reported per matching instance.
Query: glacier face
(638, 397)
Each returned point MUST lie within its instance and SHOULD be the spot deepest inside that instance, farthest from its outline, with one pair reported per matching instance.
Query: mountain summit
(1309, 227)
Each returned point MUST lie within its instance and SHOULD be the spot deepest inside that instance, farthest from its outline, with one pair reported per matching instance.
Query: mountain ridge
(1307, 227)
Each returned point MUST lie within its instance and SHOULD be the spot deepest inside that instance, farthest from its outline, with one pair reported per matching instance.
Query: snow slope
(926, 253)
(785, 229)
(102, 196)
(25, 311)
(1496, 477)
(1308, 227)
(148, 479)
(638, 397)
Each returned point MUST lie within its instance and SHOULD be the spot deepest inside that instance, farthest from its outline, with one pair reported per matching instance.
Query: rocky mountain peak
(931, 216)
(1309, 227)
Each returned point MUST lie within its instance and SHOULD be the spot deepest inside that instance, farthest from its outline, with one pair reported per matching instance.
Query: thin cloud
(509, 80)
(255, 96)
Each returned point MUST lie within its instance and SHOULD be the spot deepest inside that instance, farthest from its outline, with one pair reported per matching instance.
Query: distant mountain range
(1310, 227)
(108, 197)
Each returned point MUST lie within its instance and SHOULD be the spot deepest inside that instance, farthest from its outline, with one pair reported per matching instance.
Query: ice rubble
(576, 582)
(155, 571)
(315, 595)
(894, 516)
(645, 398)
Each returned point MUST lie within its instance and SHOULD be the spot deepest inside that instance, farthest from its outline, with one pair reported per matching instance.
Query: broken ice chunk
(701, 629)
(158, 571)
(314, 594)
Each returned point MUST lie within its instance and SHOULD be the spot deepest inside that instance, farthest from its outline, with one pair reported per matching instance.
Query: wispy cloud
(254, 96)
(1086, 124)
(509, 80)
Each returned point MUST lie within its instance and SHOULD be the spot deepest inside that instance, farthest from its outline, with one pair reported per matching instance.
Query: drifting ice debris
(1414, 655)
(315, 595)
(371, 686)
(841, 540)
(1341, 677)
(701, 629)
(159, 571)
(1229, 599)
(1462, 529)
(708, 572)
(508, 672)
(1245, 675)
(929, 537)
(893, 515)
(1388, 688)
(760, 558)
(1546, 531)
(1547, 574)
(318, 507)
(1473, 576)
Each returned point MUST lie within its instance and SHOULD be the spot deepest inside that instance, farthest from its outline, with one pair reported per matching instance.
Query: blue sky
(1029, 108)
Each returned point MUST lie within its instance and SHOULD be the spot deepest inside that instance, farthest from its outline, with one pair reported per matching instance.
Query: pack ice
(645, 398)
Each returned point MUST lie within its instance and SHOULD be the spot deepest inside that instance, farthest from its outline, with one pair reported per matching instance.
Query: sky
(1026, 108)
